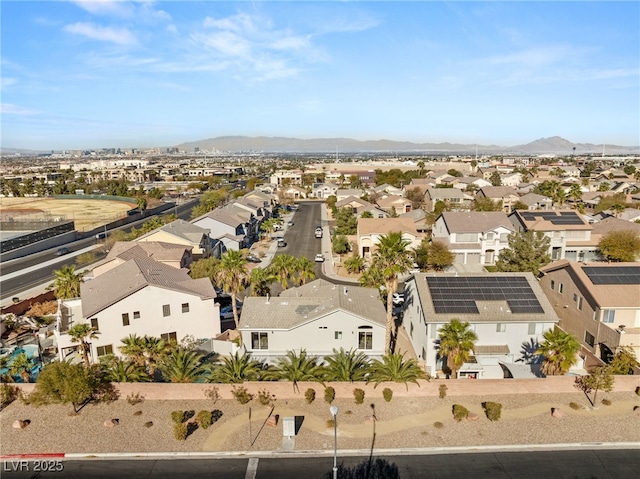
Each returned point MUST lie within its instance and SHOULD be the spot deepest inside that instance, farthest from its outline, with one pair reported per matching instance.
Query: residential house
(343, 193)
(511, 179)
(470, 182)
(508, 312)
(599, 303)
(175, 255)
(387, 189)
(227, 227)
(143, 297)
(504, 195)
(453, 197)
(394, 204)
(318, 317)
(293, 192)
(419, 218)
(359, 206)
(324, 190)
(535, 201)
(370, 230)
(475, 237)
(291, 177)
(183, 233)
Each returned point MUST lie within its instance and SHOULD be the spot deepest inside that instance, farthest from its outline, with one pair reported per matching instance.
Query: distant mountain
(263, 144)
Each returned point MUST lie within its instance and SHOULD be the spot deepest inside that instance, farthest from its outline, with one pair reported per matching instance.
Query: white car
(319, 258)
(398, 298)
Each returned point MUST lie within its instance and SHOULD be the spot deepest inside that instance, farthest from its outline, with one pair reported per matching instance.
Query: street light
(334, 412)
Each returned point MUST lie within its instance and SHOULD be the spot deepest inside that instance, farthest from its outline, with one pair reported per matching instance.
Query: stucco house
(503, 194)
(359, 206)
(183, 233)
(370, 229)
(394, 203)
(453, 197)
(177, 256)
(226, 226)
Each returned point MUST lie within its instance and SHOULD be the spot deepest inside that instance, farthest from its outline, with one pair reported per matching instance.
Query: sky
(108, 74)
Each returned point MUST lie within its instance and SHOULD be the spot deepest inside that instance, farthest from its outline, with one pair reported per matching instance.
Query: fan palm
(456, 342)
(260, 280)
(296, 367)
(282, 267)
(232, 276)
(560, 352)
(124, 371)
(21, 365)
(79, 333)
(394, 368)
(183, 366)
(67, 282)
(236, 369)
(304, 270)
(133, 349)
(346, 365)
(154, 351)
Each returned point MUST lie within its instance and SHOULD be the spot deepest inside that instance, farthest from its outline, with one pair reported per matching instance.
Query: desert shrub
(266, 398)
(492, 410)
(148, 424)
(205, 419)
(438, 425)
(134, 399)
(8, 394)
(213, 394)
(137, 413)
(575, 406)
(329, 394)
(387, 394)
(330, 423)
(180, 431)
(241, 394)
(442, 391)
(460, 412)
(358, 394)
(310, 395)
(606, 402)
(178, 416)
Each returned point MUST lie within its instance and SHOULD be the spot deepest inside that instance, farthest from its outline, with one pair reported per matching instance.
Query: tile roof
(182, 229)
(498, 191)
(475, 221)
(386, 225)
(158, 250)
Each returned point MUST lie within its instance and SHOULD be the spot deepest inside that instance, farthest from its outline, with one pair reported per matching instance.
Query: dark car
(282, 244)
(63, 251)
(252, 258)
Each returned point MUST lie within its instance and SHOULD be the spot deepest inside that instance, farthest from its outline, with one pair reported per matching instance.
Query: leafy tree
(236, 369)
(346, 221)
(183, 366)
(260, 280)
(495, 179)
(487, 204)
(456, 342)
(439, 256)
(624, 361)
(615, 201)
(527, 251)
(296, 367)
(629, 170)
(422, 254)
(622, 245)
(67, 282)
(519, 205)
(205, 268)
(416, 196)
(346, 365)
(79, 333)
(454, 172)
(393, 367)
(599, 379)
(341, 244)
(355, 264)
(123, 371)
(366, 214)
(141, 201)
(331, 202)
(559, 350)
(232, 276)
(209, 201)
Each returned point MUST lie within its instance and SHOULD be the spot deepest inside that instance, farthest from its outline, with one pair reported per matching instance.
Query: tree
(79, 333)
(236, 369)
(346, 221)
(456, 342)
(422, 254)
(260, 280)
(232, 276)
(296, 367)
(621, 245)
(341, 244)
(304, 271)
(495, 179)
(346, 365)
(67, 282)
(366, 214)
(183, 366)
(331, 202)
(22, 365)
(209, 201)
(439, 256)
(355, 264)
(599, 379)
(205, 268)
(454, 172)
(527, 251)
(141, 201)
(393, 367)
(133, 349)
(416, 196)
(559, 350)
(122, 371)
(487, 204)
(155, 351)
(282, 268)
(624, 361)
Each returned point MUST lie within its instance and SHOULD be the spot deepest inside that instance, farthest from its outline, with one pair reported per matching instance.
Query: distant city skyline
(92, 74)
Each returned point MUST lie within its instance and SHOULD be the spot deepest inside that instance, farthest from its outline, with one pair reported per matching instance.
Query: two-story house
(371, 229)
(229, 228)
(359, 206)
(394, 203)
(504, 195)
(183, 233)
(453, 197)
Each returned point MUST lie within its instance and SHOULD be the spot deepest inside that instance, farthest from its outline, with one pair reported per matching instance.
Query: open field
(87, 214)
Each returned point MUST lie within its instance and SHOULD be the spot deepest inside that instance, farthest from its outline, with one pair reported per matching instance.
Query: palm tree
(260, 280)
(392, 258)
(456, 343)
(346, 366)
(79, 334)
(560, 352)
(123, 371)
(236, 369)
(184, 366)
(232, 276)
(67, 282)
(304, 270)
(282, 267)
(155, 350)
(394, 368)
(355, 264)
(21, 365)
(133, 349)
(296, 367)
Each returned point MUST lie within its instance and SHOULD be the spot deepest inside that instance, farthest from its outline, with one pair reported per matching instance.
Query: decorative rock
(555, 412)
(111, 422)
(20, 424)
(472, 417)
(273, 421)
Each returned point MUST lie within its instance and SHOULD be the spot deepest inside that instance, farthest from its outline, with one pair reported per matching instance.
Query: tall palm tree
(79, 333)
(296, 367)
(392, 259)
(155, 350)
(346, 365)
(133, 348)
(282, 267)
(21, 365)
(236, 369)
(394, 367)
(232, 276)
(260, 280)
(67, 282)
(456, 342)
(560, 351)
(124, 371)
(304, 270)
(184, 366)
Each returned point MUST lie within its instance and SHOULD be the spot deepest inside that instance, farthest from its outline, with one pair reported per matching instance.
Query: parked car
(252, 258)
(63, 251)
(319, 258)
(281, 243)
(226, 312)
(398, 298)
(289, 223)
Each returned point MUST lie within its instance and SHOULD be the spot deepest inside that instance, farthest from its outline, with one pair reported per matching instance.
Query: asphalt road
(570, 464)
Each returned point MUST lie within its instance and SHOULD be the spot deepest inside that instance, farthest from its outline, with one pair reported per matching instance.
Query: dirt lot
(87, 214)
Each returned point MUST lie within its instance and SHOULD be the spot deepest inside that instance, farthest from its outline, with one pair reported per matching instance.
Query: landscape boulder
(555, 412)
(111, 422)
(472, 417)
(18, 424)
(273, 420)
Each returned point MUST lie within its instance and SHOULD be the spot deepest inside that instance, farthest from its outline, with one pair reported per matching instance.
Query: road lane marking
(252, 468)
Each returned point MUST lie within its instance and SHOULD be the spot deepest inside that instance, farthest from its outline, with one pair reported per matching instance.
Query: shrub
(387, 394)
(358, 394)
(442, 391)
(329, 394)
(177, 417)
(204, 419)
(438, 425)
(266, 398)
(137, 413)
(134, 399)
(606, 402)
(148, 424)
(460, 412)
(8, 394)
(213, 394)
(241, 394)
(492, 410)
(310, 395)
(180, 431)
(575, 406)
(330, 423)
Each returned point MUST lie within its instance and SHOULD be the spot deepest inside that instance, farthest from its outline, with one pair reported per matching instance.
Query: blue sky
(94, 74)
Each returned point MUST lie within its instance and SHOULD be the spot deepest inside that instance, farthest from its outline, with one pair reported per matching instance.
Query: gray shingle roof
(475, 221)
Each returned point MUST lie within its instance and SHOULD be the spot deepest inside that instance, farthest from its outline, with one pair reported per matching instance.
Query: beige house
(177, 256)
(394, 203)
(181, 232)
(504, 194)
(370, 230)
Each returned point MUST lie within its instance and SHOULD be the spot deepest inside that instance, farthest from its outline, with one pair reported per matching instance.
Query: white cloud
(121, 36)
(106, 7)
(11, 109)
(7, 81)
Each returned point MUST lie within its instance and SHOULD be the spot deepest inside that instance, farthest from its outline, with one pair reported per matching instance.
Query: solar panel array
(564, 218)
(458, 295)
(613, 274)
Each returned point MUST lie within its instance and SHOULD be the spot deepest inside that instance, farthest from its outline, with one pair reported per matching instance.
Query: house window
(185, 307)
(338, 334)
(169, 337)
(580, 303)
(504, 237)
(466, 237)
(589, 338)
(490, 236)
(365, 339)
(125, 319)
(166, 310)
(411, 330)
(104, 350)
(535, 328)
(501, 327)
(259, 341)
(553, 285)
(560, 288)
(136, 315)
(608, 315)
(575, 298)
(94, 323)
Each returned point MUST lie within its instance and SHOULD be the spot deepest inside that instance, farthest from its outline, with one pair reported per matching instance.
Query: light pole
(334, 413)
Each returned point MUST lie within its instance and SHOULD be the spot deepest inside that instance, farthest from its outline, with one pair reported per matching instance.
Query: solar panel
(607, 275)
(459, 295)
(561, 218)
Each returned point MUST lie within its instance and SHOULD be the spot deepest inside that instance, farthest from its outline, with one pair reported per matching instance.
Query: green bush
(387, 394)
(8, 394)
(178, 416)
(460, 412)
(180, 431)
(310, 395)
(241, 394)
(329, 394)
(442, 391)
(204, 419)
(266, 398)
(575, 406)
(492, 410)
(606, 402)
(438, 425)
(358, 394)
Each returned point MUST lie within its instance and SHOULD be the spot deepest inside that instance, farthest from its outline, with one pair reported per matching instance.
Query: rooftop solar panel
(608, 275)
